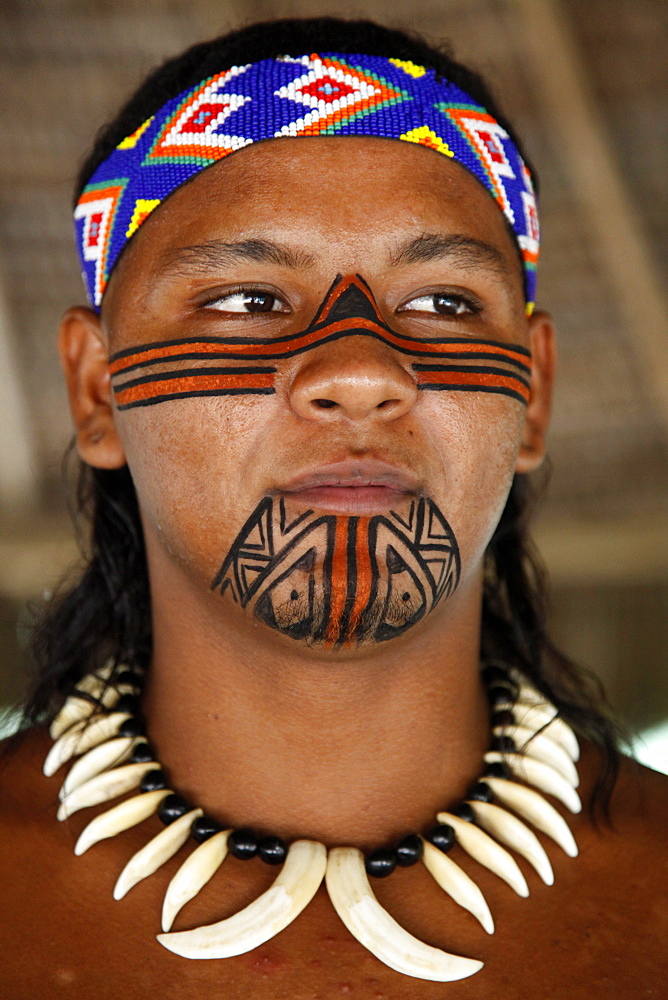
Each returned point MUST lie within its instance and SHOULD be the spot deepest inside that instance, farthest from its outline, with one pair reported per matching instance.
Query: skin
(355, 744)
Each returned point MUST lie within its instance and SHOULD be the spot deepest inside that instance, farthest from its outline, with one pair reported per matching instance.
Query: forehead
(350, 197)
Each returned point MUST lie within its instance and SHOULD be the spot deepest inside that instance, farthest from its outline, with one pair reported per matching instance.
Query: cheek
(184, 458)
(476, 437)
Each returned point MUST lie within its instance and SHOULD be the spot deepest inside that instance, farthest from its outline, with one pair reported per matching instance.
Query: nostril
(325, 404)
(387, 404)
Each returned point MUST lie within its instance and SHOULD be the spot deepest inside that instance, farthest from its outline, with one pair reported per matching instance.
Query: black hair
(106, 614)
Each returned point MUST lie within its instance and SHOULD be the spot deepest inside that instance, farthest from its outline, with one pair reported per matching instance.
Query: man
(309, 385)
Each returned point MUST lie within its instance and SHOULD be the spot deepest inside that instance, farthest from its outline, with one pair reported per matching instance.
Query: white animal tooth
(83, 736)
(541, 746)
(77, 708)
(154, 854)
(119, 818)
(512, 831)
(194, 873)
(487, 852)
(457, 884)
(540, 775)
(365, 918)
(97, 760)
(103, 787)
(538, 716)
(92, 682)
(270, 913)
(533, 807)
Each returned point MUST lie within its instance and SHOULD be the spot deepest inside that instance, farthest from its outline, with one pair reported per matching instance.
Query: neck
(294, 742)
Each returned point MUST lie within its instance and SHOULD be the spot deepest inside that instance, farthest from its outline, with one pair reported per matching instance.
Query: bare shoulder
(639, 804)
(24, 795)
(622, 868)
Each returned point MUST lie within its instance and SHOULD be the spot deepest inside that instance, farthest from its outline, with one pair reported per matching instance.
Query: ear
(84, 359)
(543, 368)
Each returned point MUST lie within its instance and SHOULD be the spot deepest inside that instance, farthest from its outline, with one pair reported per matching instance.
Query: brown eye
(260, 302)
(442, 304)
(450, 305)
(247, 301)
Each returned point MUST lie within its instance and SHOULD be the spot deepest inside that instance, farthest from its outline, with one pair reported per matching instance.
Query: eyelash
(246, 292)
(472, 307)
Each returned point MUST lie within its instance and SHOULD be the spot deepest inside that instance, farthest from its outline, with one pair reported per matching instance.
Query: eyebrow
(210, 256)
(463, 250)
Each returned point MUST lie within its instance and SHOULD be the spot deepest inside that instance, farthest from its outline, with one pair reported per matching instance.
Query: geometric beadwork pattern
(293, 97)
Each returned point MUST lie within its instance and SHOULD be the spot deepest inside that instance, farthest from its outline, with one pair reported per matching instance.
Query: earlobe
(84, 359)
(543, 368)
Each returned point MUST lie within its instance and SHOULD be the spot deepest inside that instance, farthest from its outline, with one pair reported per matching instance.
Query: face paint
(348, 310)
(340, 580)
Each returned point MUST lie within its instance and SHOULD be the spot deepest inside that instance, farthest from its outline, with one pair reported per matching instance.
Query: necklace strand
(100, 724)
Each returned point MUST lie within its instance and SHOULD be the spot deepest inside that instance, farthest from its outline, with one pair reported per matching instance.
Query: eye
(247, 301)
(442, 304)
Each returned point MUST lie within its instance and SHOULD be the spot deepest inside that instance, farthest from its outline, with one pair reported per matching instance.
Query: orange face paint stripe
(474, 381)
(339, 578)
(201, 349)
(228, 383)
(363, 575)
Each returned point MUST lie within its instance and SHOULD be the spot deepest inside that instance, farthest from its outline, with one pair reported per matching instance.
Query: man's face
(327, 496)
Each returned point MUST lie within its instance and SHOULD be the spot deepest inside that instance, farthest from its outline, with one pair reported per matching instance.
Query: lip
(352, 486)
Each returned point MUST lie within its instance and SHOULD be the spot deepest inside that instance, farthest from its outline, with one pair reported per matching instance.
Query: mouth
(352, 487)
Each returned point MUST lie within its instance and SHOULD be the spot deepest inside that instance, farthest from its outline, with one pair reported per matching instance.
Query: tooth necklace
(98, 724)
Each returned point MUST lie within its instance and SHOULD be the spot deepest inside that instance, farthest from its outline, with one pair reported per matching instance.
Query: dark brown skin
(348, 746)
(599, 931)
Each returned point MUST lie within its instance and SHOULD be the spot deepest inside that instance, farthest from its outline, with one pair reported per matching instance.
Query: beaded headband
(292, 97)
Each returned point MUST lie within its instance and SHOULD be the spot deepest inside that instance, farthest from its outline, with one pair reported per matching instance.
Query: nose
(355, 378)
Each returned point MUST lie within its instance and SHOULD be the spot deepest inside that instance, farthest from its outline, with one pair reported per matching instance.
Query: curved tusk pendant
(536, 717)
(487, 852)
(121, 817)
(154, 854)
(540, 775)
(295, 887)
(77, 708)
(103, 787)
(97, 760)
(82, 737)
(457, 884)
(513, 832)
(365, 918)
(540, 746)
(534, 808)
(194, 873)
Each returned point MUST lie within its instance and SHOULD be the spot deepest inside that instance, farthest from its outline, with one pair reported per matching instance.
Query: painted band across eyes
(348, 309)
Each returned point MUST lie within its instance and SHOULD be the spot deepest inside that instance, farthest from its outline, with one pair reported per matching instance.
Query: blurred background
(586, 84)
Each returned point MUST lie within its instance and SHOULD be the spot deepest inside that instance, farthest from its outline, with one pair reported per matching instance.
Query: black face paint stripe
(163, 398)
(338, 579)
(348, 309)
(192, 373)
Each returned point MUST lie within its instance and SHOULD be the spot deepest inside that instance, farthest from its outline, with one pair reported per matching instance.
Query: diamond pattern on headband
(487, 137)
(192, 134)
(97, 208)
(296, 96)
(335, 93)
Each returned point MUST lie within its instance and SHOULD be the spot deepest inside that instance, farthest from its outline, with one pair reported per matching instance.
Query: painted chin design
(341, 580)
